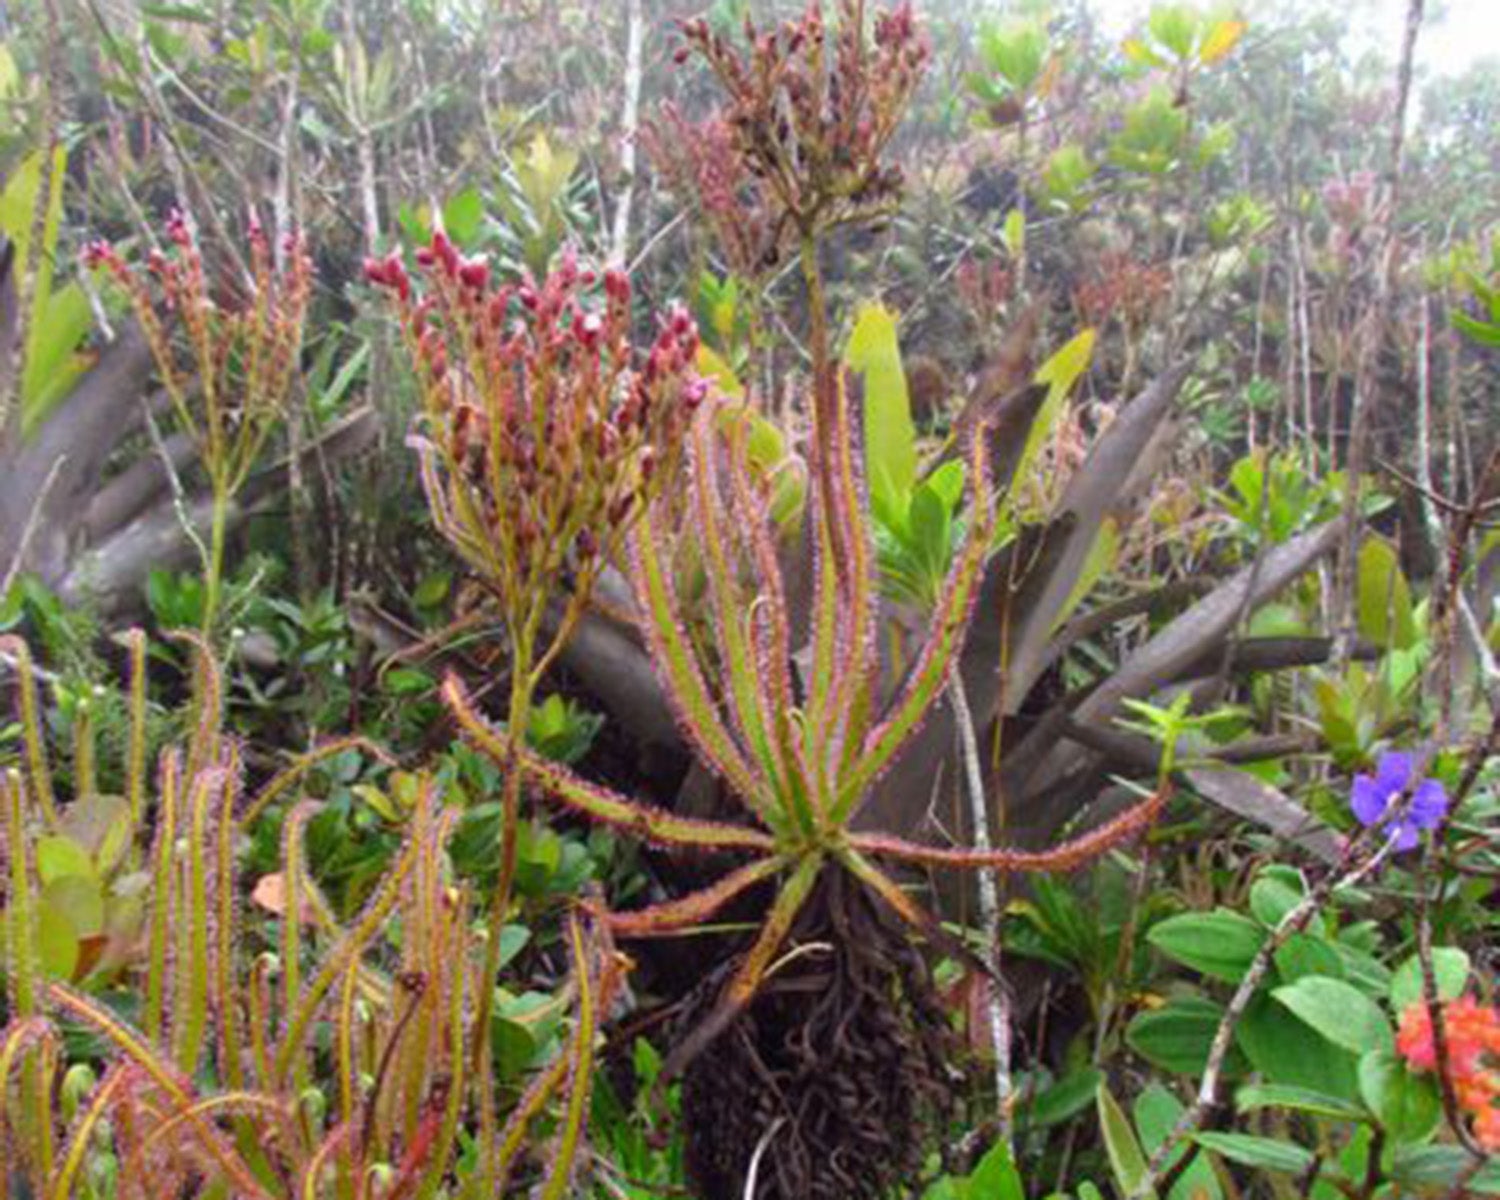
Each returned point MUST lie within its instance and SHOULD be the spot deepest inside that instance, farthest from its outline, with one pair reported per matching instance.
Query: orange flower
(1487, 1125)
(1473, 1034)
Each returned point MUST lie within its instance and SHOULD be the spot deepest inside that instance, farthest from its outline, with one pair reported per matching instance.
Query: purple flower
(1381, 799)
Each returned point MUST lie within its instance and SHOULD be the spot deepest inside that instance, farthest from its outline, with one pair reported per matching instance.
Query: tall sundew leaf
(772, 631)
(856, 678)
(886, 888)
(375, 988)
(208, 704)
(534, 1099)
(580, 1072)
(230, 1064)
(159, 1069)
(825, 606)
(680, 673)
(30, 1044)
(23, 966)
(741, 667)
(299, 768)
(237, 1105)
(1069, 856)
(38, 771)
(647, 822)
(319, 1161)
(771, 645)
(346, 1068)
(135, 753)
(424, 939)
(17, 1040)
(258, 1006)
(742, 988)
(694, 909)
(80, 1139)
(650, 823)
(190, 1011)
(940, 649)
(294, 884)
(159, 930)
(350, 947)
(447, 1138)
(85, 777)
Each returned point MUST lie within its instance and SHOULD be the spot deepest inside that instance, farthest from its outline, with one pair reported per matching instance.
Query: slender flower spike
(1381, 799)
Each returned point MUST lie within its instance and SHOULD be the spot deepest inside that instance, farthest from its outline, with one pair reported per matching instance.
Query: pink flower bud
(97, 253)
(177, 228)
(588, 329)
(475, 273)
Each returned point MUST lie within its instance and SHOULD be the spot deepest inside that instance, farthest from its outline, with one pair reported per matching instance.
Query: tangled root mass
(838, 1075)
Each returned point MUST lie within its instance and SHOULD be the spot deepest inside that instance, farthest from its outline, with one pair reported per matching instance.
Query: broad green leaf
(57, 857)
(1268, 1154)
(1364, 971)
(1386, 616)
(1306, 954)
(1068, 170)
(996, 1177)
(100, 824)
(947, 482)
(513, 939)
(1450, 966)
(1272, 898)
(1220, 944)
(9, 76)
(1406, 1105)
(1290, 1053)
(1339, 1011)
(1273, 1095)
(712, 366)
(1221, 39)
(79, 899)
(54, 364)
(890, 436)
(543, 173)
(1139, 52)
(1175, 26)
(1436, 1169)
(48, 343)
(1126, 1159)
(463, 216)
(1017, 53)
(1013, 232)
(1059, 373)
(1176, 1037)
(1100, 559)
(1064, 1099)
(1156, 1113)
(56, 942)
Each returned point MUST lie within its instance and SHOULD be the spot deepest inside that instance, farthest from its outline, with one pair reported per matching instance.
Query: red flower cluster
(1473, 1040)
(806, 127)
(545, 424)
(231, 354)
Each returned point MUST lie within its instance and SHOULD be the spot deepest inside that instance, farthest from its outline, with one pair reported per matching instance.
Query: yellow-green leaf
(890, 436)
(711, 366)
(1059, 373)
(1101, 557)
(1221, 39)
(1138, 52)
(1386, 616)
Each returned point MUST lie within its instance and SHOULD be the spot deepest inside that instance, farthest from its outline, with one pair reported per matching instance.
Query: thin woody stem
(1296, 920)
